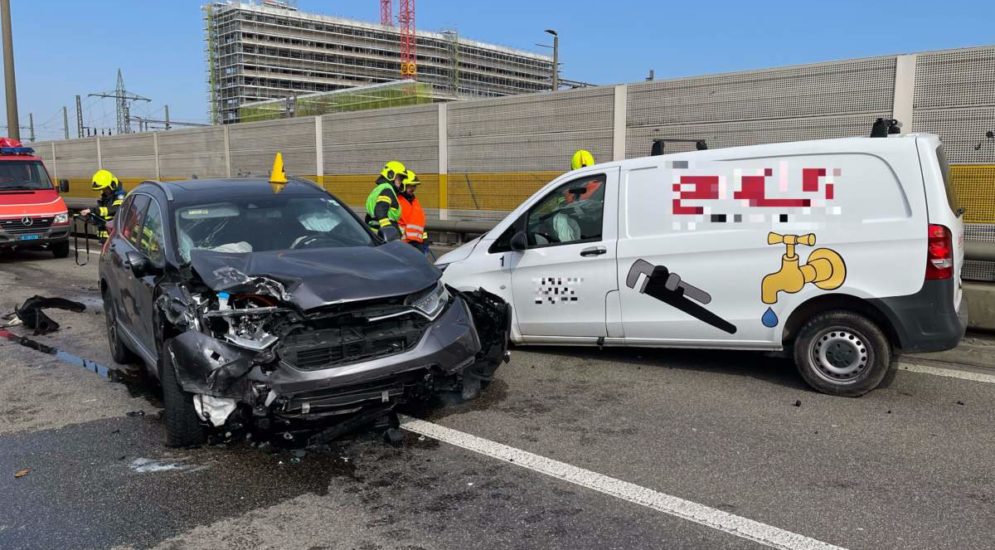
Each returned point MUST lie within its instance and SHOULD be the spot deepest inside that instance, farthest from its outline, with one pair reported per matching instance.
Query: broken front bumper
(449, 346)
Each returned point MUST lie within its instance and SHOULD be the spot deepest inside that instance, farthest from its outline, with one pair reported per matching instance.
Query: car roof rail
(160, 185)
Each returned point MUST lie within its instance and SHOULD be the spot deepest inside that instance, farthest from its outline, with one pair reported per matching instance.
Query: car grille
(333, 347)
(17, 227)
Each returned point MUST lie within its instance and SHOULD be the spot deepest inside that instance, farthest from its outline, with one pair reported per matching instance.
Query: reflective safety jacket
(412, 220)
(383, 210)
(107, 206)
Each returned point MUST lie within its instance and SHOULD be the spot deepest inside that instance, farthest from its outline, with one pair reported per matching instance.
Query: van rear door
(943, 207)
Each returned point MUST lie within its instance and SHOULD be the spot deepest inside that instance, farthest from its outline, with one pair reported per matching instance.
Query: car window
(571, 213)
(152, 241)
(131, 222)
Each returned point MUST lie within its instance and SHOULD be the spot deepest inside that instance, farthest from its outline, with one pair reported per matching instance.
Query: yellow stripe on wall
(975, 187)
(504, 191)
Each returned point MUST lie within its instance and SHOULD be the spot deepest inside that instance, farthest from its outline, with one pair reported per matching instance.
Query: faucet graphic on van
(825, 269)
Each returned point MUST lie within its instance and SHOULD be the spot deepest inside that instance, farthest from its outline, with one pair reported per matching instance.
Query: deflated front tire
(183, 427)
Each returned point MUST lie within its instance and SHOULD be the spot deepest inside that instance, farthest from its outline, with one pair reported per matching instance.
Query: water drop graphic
(769, 319)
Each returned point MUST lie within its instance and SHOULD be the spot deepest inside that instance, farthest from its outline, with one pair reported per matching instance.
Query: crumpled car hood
(322, 276)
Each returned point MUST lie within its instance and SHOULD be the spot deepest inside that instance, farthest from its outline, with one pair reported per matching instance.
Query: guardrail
(979, 251)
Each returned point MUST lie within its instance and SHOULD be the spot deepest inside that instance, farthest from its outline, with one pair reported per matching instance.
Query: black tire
(183, 427)
(60, 249)
(842, 353)
(119, 351)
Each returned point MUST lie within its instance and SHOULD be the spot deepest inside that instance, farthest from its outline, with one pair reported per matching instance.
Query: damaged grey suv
(267, 305)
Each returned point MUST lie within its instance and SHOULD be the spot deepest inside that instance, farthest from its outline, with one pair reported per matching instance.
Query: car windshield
(268, 223)
(23, 175)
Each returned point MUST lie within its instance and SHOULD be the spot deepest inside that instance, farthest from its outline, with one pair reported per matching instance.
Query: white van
(845, 251)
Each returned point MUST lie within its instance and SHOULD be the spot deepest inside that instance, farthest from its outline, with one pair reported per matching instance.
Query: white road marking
(949, 373)
(153, 465)
(710, 517)
(92, 251)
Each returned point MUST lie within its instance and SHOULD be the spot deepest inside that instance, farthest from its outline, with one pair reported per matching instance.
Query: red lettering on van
(705, 188)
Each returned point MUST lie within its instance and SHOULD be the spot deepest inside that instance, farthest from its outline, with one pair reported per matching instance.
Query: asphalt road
(738, 434)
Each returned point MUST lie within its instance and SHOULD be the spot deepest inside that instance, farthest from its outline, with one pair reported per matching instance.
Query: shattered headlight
(432, 302)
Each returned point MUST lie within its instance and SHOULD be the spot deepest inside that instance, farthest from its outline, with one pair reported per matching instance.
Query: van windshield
(941, 156)
(18, 175)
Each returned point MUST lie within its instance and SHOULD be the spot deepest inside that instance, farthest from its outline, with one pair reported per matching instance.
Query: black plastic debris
(135, 413)
(960, 402)
(31, 314)
(798, 402)
(357, 421)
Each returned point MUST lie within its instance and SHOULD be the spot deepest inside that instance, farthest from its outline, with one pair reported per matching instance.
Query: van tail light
(939, 253)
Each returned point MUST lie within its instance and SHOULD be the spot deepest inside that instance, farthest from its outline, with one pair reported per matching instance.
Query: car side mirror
(138, 263)
(63, 185)
(519, 241)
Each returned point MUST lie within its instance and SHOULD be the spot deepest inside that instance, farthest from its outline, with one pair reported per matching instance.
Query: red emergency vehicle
(32, 214)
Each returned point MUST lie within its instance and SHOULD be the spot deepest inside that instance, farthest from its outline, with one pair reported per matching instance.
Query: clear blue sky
(69, 47)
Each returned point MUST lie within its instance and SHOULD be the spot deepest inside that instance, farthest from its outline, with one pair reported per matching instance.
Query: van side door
(567, 268)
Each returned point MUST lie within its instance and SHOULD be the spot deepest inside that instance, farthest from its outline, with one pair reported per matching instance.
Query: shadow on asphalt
(751, 364)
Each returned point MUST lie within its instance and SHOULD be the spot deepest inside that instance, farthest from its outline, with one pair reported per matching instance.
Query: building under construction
(263, 51)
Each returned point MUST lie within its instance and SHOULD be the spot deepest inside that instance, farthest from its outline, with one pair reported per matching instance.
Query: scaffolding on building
(265, 51)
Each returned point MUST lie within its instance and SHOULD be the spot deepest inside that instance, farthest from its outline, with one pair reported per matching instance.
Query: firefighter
(382, 208)
(412, 221)
(582, 158)
(111, 197)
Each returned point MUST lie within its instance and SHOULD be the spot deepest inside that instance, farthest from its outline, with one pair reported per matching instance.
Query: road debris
(22, 472)
(798, 402)
(134, 414)
(30, 312)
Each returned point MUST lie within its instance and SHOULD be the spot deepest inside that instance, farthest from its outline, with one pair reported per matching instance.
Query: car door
(561, 279)
(151, 244)
(125, 240)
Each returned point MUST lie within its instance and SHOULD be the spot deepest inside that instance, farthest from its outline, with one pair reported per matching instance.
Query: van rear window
(941, 157)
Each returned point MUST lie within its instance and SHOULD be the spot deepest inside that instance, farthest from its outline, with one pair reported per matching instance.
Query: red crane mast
(386, 13)
(406, 19)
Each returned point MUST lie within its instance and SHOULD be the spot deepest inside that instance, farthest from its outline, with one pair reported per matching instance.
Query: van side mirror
(519, 241)
(137, 263)
(63, 185)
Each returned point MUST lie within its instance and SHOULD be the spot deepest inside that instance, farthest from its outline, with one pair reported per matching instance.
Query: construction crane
(123, 99)
(409, 45)
(386, 13)
(409, 50)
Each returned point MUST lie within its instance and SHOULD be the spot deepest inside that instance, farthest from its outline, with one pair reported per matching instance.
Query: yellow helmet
(410, 178)
(581, 159)
(392, 169)
(103, 179)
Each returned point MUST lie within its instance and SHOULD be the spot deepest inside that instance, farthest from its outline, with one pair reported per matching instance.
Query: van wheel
(183, 427)
(842, 353)
(60, 249)
(119, 352)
